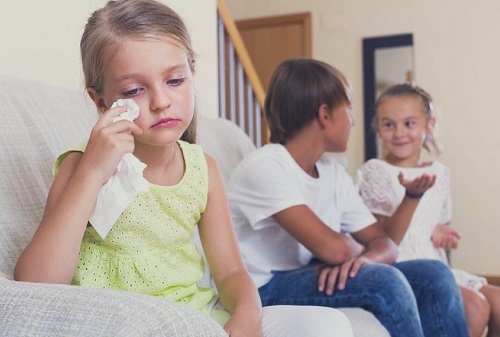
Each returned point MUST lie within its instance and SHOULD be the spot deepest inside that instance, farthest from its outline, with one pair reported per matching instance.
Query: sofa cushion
(226, 142)
(57, 310)
(38, 123)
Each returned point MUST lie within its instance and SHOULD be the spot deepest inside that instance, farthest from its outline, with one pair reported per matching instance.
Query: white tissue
(123, 186)
(132, 110)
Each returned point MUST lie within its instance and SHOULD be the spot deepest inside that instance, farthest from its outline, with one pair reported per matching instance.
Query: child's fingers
(124, 126)
(452, 232)
(428, 181)
(423, 183)
(418, 185)
(454, 243)
(106, 121)
(327, 279)
(323, 274)
(356, 266)
(107, 117)
(456, 233)
(401, 177)
(446, 243)
(433, 180)
(345, 272)
(438, 242)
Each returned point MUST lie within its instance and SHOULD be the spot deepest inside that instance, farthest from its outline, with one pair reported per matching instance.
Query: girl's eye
(131, 93)
(410, 124)
(175, 81)
(388, 125)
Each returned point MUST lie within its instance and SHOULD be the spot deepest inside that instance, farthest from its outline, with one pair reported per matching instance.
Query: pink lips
(400, 144)
(165, 123)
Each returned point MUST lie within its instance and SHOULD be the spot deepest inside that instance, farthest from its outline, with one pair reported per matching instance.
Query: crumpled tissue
(123, 186)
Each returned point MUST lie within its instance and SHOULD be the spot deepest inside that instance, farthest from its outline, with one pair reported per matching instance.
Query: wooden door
(271, 40)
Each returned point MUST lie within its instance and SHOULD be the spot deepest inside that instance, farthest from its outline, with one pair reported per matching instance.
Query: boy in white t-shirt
(305, 235)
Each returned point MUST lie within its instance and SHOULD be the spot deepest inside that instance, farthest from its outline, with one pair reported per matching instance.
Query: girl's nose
(399, 131)
(160, 99)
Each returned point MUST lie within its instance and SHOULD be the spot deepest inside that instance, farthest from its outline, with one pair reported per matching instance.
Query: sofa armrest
(32, 309)
(364, 323)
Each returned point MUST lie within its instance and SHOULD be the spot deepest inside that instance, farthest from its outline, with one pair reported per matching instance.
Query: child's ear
(98, 100)
(431, 124)
(324, 115)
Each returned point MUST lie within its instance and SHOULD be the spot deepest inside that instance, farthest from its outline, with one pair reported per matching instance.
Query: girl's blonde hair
(119, 20)
(410, 90)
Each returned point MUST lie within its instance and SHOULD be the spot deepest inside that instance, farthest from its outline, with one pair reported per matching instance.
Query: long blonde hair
(119, 20)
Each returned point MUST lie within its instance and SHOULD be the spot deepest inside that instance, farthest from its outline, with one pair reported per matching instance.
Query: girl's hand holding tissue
(109, 141)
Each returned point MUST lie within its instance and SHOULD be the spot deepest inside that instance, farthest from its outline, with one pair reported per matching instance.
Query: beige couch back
(38, 122)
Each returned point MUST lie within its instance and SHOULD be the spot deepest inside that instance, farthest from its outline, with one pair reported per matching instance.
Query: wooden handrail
(241, 51)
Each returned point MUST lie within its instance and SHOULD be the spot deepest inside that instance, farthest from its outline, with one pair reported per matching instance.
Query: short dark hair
(298, 87)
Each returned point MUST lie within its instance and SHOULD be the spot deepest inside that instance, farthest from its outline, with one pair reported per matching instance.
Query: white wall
(457, 58)
(41, 41)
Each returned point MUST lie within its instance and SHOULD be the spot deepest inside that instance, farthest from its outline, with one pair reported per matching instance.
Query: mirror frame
(370, 46)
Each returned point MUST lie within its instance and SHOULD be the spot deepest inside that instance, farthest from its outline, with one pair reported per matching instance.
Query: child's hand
(445, 237)
(419, 185)
(108, 143)
(244, 327)
(335, 277)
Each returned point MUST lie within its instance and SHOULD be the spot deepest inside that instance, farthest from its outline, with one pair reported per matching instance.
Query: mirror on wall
(387, 60)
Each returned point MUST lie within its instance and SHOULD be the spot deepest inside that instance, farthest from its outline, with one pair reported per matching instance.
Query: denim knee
(390, 279)
(432, 274)
(438, 296)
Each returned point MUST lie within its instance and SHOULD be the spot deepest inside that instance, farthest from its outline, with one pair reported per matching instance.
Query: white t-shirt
(269, 181)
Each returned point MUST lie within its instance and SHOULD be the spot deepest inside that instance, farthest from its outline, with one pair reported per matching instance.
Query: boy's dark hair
(297, 89)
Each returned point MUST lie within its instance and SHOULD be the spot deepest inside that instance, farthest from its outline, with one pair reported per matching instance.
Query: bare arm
(344, 254)
(379, 247)
(327, 245)
(396, 225)
(237, 291)
(52, 254)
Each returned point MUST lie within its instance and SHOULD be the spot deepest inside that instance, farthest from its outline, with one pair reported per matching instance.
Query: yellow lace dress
(149, 250)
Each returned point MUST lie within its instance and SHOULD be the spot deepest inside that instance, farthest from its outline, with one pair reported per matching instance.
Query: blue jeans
(411, 299)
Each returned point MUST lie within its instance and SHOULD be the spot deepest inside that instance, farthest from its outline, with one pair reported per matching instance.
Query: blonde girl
(140, 50)
(411, 198)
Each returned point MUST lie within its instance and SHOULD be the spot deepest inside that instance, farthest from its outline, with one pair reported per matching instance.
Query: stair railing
(241, 94)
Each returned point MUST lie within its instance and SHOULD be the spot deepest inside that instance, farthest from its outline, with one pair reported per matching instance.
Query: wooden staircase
(241, 94)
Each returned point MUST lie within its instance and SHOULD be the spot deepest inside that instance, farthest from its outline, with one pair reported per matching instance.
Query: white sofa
(39, 122)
